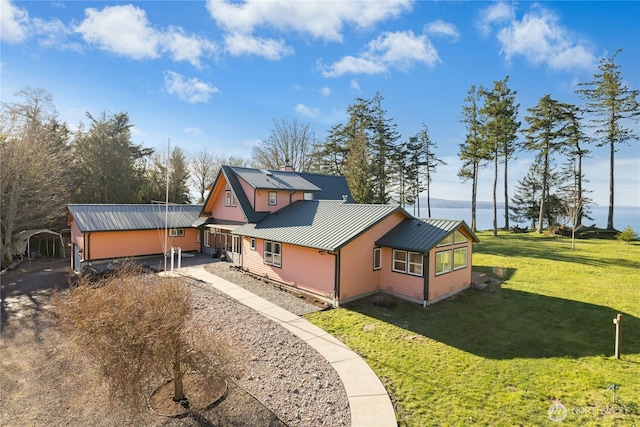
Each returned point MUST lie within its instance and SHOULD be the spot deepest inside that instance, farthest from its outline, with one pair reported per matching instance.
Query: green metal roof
(110, 217)
(420, 235)
(324, 225)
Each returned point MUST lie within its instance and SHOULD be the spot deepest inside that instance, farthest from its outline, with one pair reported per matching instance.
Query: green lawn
(504, 355)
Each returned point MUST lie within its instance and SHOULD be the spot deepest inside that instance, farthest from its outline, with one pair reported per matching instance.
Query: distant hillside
(457, 204)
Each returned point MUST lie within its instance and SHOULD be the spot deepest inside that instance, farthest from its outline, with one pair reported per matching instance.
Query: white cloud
(241, 44)
(318, 19)
(306, 111)
(354, 86)
(323, 20)
(125, 30)
(540, 39)
(191, 130)
(441, 28)
(399, 50)
(188, 90)
(325, 91)
(13, 23)
(495, 14)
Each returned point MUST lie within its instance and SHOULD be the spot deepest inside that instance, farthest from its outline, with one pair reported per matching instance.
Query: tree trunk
(610, 217)
(506, 195)
(495, 187)
(579, 191)
(474, 195)
(543, 196)
(178, 389)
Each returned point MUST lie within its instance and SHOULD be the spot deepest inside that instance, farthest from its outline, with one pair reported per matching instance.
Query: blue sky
(216, 74)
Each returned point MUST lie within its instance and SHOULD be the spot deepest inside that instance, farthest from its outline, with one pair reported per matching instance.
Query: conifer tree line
(45, 165)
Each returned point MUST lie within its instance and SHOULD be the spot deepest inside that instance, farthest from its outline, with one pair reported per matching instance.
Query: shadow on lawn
(504, 324)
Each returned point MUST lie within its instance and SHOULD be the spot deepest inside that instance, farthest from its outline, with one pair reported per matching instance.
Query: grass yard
(519, 352)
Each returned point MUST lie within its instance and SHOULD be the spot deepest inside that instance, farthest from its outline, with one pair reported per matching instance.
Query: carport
(41, 242)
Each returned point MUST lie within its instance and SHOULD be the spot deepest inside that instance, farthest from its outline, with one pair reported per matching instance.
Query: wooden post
(618, 322)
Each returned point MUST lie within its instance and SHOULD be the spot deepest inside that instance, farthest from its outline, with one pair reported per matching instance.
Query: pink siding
(76, 235)
(121, 244)
(282, 200)
(399, 283)
(249, 191)
(304, 268)
(356, 260)
(216, 204)
(449, 282)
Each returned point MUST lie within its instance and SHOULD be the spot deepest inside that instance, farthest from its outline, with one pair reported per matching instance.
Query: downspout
(425, 269)
(336, 279)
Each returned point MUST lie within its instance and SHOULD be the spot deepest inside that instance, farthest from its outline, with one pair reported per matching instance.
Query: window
(272, 254)
(399, 261)
(176, 232)
(273, 198)
(308, 196)
(407, 262)
(415, 264)
(459, 258)
(446, 241)
(229, 198)
(206, 238)
(377, 258)
(458, 237)
(253, 243)
(443, 262)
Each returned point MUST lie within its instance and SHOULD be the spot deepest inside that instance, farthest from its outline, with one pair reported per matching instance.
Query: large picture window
(443, 262)
(273, 253)
(459, 258)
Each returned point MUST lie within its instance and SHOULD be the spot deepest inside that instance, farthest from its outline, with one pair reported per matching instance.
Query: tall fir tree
(610, 103)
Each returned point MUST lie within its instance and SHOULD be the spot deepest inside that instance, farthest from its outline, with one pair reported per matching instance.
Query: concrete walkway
(369, 402)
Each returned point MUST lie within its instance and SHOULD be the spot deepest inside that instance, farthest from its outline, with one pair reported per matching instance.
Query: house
(304, 231)
(107, 231)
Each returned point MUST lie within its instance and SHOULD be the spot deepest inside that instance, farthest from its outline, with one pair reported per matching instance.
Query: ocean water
(622, 216)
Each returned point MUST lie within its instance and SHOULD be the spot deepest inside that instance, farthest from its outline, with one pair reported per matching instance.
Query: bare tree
(34, 152)
(138, 329)
(204, 169)
(290, 141)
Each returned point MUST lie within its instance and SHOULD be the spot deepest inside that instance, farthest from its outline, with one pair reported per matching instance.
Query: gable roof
(422, 234)
(325, 187)
(324, 225)
(109, 217)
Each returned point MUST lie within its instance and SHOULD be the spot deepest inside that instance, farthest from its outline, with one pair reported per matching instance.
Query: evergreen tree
(610, 102)
(545, 136)
(525, 204)
(107, 166)
(500, 132)
(429, 161)
(473, 152)
(382, 146)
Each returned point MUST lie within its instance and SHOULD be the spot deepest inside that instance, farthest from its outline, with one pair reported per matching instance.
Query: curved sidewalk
(368, 400)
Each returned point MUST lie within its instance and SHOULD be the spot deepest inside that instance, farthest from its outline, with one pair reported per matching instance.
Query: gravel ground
(291, 378)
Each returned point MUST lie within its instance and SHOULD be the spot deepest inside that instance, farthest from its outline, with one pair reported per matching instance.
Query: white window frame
(252, 243)
(272, 256)
(230, 198)
(444, 269)
(176, 232)
(466, 255)
(395, 260)
(417, 265)
(275, 198)
(447, 241)
(308, 195)
(459, 237)
(207, 235)
(377, 258)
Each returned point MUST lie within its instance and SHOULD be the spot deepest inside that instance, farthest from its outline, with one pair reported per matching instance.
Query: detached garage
(105, 232)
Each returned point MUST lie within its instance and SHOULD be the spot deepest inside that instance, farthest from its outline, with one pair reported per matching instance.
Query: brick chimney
(287, 167)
